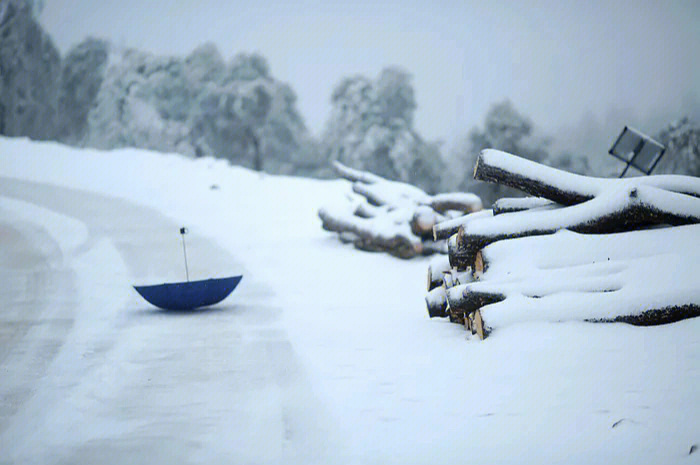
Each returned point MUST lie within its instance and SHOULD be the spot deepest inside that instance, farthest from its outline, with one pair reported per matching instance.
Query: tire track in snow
(31, 330)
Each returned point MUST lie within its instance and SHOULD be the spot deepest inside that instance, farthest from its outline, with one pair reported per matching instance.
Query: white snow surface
(362, 374)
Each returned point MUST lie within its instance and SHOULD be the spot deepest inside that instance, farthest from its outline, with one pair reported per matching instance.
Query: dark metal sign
(637, 150)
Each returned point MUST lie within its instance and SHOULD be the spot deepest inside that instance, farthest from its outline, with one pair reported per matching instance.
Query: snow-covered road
(95, 375)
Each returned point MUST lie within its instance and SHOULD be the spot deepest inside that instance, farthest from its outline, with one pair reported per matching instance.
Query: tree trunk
(257, 156)
(562, 187)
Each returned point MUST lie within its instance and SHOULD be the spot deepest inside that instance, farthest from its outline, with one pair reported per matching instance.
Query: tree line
(99, 95)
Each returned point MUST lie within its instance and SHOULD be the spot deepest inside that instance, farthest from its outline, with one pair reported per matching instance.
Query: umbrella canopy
(189, 295)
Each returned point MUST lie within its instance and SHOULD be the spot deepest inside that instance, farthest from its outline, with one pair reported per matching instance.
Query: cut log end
(479, 160)
(448, 280)
(469, 322)
(479, 325)
(436, 302)
(478, 265)
(435, 278)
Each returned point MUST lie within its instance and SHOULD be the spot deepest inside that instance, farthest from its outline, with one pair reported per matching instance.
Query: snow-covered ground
(322, 355)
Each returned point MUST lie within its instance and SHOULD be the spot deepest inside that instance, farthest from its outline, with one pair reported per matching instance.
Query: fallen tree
(391, 216)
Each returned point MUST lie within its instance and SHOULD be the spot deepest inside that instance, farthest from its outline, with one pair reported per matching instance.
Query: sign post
(637, 150)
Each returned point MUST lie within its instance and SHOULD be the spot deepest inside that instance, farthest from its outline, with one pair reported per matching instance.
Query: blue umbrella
(190, 294)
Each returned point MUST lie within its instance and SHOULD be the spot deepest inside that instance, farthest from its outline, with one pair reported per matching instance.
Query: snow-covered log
(458, 201)
(354, 175)
(512, 205)
(390, 193)
(365, 210)
(459, 254)
(622, 210)
(436, 302)
(423, 221)
(599, 278)
(445, 229)
(431, 247)
(453, 278)
(394, 217)
(586, 249)
(562, 187)
(436, 269)
(373, 235)
(463, 300)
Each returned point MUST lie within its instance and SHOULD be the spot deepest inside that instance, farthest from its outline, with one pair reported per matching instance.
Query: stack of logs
(560, 200)
(393, 217)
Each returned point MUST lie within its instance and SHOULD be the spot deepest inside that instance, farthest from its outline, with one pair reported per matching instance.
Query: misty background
(411, 90)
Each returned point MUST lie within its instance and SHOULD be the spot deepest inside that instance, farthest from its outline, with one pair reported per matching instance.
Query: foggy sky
(556, 60)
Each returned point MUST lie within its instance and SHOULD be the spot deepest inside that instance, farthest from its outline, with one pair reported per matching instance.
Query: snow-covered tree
(371, 128)
(395, 99)
(682, 141)
(36, 6)
(201, 106)
(143, 102)
(82, 74)
(570, 162)
(504, 129)
(204, 64)
(249, 118)
(507, 129)
(29, 71)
